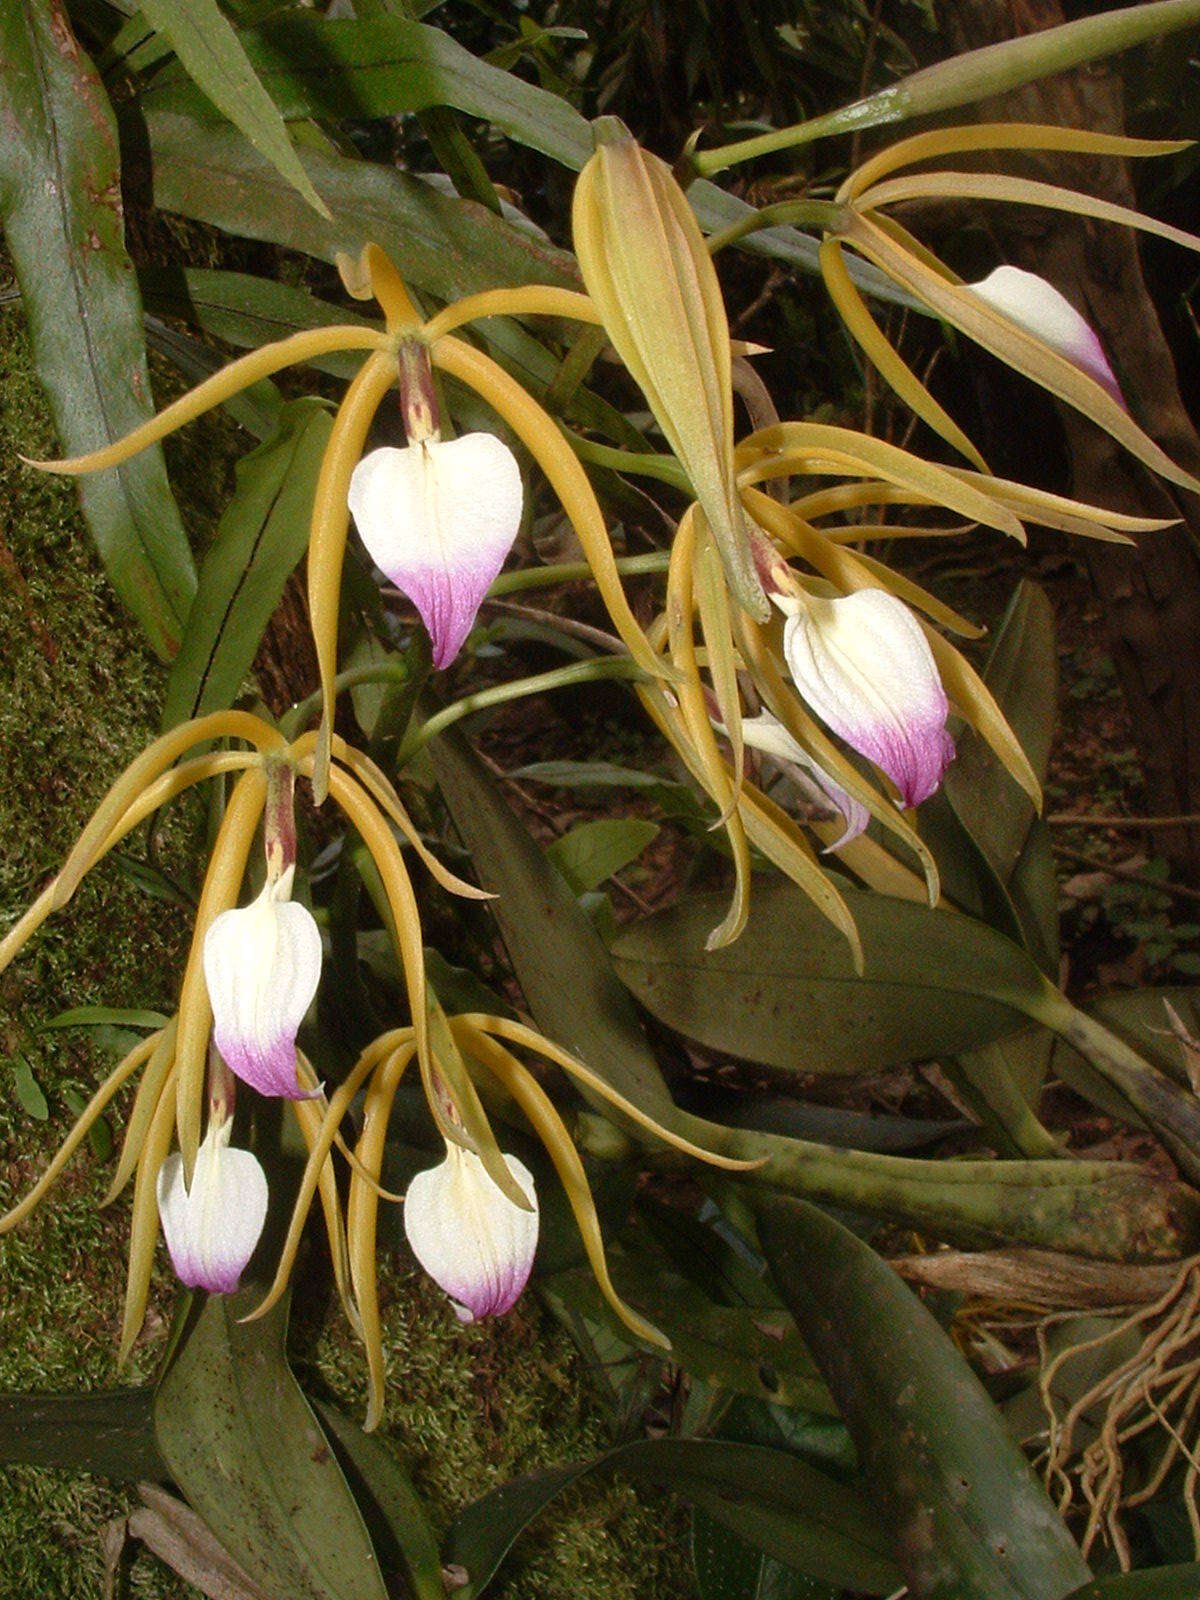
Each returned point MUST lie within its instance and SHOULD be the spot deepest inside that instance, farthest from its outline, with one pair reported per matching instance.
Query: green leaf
(755, 1351)
(546, 934)
(786, 993)
(212, 55)
(110, 1433)
(1160, 1583)
(727, 1568)
(28, 1090)
(590, 853)
(383, 66)
(111, 1016)
(441, 245)
(241, 1442)
(800, 1515)
(395, 1516)
(100, 1136)
(60, 202)
(968, 1518)
(1022, 673)
(260, 538)
(246, 310)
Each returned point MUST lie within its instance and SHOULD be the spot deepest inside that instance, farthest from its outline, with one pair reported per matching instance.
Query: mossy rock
(468, 1408)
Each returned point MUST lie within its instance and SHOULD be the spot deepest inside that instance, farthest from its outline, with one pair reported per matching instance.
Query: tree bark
(1151, 594)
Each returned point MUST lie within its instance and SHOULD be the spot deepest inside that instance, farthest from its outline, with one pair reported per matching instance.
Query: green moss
(468, 1408)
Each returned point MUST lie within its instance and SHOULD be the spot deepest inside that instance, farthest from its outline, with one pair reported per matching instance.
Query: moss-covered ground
(467, 1408)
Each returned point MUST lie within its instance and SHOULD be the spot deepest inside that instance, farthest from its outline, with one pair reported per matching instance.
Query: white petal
(766, 733)
(262, 965)
(212, 1230)
(864, 666)
(1039, 308)
(439, 518)
(470, 1238)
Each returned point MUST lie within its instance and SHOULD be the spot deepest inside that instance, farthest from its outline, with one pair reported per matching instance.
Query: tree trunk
(1151, 594)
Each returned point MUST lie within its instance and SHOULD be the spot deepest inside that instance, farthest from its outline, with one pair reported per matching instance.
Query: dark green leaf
(968, 1518)
(60, 199)
(546, 934)
(1022, 673)
(260, 538)
(441, 245)
(110, 1433)
(1162, 1583)
(798, 1514)
(100, 1136)
(727, 1568)
(240, 1441)
(212, 55)
(786, 993)
(754, 1351)
(28, 1090)
(590, 853)
(394, 1514)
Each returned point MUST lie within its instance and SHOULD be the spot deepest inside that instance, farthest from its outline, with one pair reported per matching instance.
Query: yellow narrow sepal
(997, 136)
(327, 536)
(143, 1225)
(231, 380)
(142, 772)
(145, 1101)
(529, 1039)
(852, 309)
(1014, 346)
(529, 300)
(544, 440)
(362, 1208)
(124, 1070)
(713, 774)
(550, 1129)
(647, 269)
(222, 882)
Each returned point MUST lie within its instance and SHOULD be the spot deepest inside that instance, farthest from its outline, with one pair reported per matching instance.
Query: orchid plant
(775, 641)
(842, 654)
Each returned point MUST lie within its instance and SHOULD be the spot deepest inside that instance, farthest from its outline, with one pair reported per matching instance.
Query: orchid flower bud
(469, 1237)
(766, 733)
(439, 517)
(863, 665)
(262, 964)
(212, 1227)
(1042, 310)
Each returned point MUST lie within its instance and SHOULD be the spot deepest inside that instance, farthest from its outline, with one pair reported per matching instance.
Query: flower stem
(559, 678)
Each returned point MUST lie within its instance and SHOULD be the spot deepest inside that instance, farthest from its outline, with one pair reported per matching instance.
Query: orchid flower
(212, 1225)
(439, 517)
(1045, 312)
(472, 1240)
(863, 664)
(262, 964)
(768, 735)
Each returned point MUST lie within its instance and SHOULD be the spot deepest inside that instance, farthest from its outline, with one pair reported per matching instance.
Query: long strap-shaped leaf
(60, 187)
(968, 1517)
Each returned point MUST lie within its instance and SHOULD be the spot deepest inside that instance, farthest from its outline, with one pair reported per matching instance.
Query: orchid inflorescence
(809, 652)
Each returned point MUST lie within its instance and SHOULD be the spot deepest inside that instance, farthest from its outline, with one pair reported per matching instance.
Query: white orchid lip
(1042, 310)
(766, 733)
(863, 665)
(469, 1236)
(439, 517)
(262, 964)
(212, 1228)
